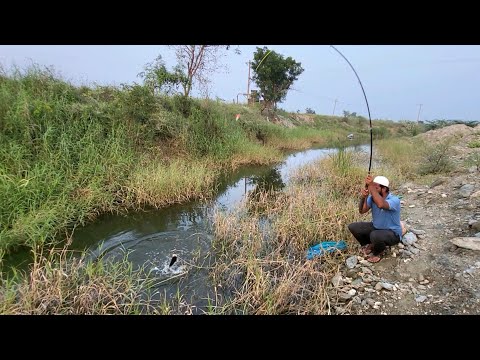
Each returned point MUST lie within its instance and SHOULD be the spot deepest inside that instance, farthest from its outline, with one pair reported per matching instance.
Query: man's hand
(364, 193)
(372, 188)
(368, 180)
(362, 204)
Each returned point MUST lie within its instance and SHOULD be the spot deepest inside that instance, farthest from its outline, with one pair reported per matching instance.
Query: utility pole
(248, 82)
(334, 106)
(420, 108)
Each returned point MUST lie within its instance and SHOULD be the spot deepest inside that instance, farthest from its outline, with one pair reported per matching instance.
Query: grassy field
(69, 154)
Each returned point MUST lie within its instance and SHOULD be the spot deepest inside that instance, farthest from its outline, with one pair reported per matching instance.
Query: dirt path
(439, 277)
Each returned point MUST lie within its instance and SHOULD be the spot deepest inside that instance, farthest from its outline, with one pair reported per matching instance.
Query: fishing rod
(368, 108)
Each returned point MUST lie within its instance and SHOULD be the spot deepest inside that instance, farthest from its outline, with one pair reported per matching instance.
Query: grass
(261, 248)
(69, 154)
(260, 265)
(261, 254)
(156, 184)
(60, 284)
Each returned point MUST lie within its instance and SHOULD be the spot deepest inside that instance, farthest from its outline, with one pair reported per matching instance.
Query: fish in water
(174, 258)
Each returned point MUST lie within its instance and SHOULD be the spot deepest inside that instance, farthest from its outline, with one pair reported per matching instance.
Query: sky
(401, 82)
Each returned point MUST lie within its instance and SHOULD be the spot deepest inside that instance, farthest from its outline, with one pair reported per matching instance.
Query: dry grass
(60, 284)
(261, 248)
(160, 184)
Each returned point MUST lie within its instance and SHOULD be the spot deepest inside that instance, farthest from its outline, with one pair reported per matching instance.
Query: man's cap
(381, 180)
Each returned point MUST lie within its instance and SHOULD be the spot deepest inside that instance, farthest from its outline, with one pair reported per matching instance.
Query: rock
(352, 272)
(366, 270)
(475, 226)
(472, 243)
(466, 190)
(357, 299)
(337, 280)
(418, 232)
(357, 282)
(370, 301)
(386, 286)
(418, 246)
(437, 182)
(351, 262)
(406, 253)
(453, 248)
(409, 238)
(420, 298)
(348, 295)
(345, 296)
(366, 263)
(413, 250)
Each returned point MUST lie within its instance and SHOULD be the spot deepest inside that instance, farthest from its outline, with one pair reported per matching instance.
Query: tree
(274, 75)
(197, 63)
(158, 78)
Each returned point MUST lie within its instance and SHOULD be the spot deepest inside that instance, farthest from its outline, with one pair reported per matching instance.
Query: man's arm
(362, 205)
(377, 198)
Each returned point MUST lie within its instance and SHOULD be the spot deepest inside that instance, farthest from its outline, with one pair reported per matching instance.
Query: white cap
(381, 180)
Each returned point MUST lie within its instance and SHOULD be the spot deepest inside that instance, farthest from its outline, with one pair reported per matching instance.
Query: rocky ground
(427, 273)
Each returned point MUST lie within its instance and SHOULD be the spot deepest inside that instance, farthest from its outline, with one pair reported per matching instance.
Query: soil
(440, 277)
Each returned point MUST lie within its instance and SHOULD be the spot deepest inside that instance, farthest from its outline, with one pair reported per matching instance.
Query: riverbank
(69, 154)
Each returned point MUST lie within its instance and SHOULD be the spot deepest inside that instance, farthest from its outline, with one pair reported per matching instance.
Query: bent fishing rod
(368, 108)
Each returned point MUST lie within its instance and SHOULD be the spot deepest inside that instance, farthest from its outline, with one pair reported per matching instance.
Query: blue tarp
(325, 246)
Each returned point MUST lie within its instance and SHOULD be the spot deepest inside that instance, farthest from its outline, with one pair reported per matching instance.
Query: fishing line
(368, 108)
(268, 53)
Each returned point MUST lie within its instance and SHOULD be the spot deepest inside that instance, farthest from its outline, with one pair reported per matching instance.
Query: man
(385, 228)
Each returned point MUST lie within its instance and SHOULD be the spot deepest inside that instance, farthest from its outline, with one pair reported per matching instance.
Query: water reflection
(272, 180)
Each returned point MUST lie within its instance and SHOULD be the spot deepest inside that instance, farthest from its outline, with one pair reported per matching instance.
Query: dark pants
(365, 233)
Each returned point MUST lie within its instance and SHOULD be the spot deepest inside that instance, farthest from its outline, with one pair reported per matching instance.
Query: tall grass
(158, 185)
(63, 157)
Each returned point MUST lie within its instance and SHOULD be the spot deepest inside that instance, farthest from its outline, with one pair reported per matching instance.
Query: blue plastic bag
(325, 247)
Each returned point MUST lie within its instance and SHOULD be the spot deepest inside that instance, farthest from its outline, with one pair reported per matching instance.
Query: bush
(379, 132)
(474, 160)
(435, 158)
(138, 102)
